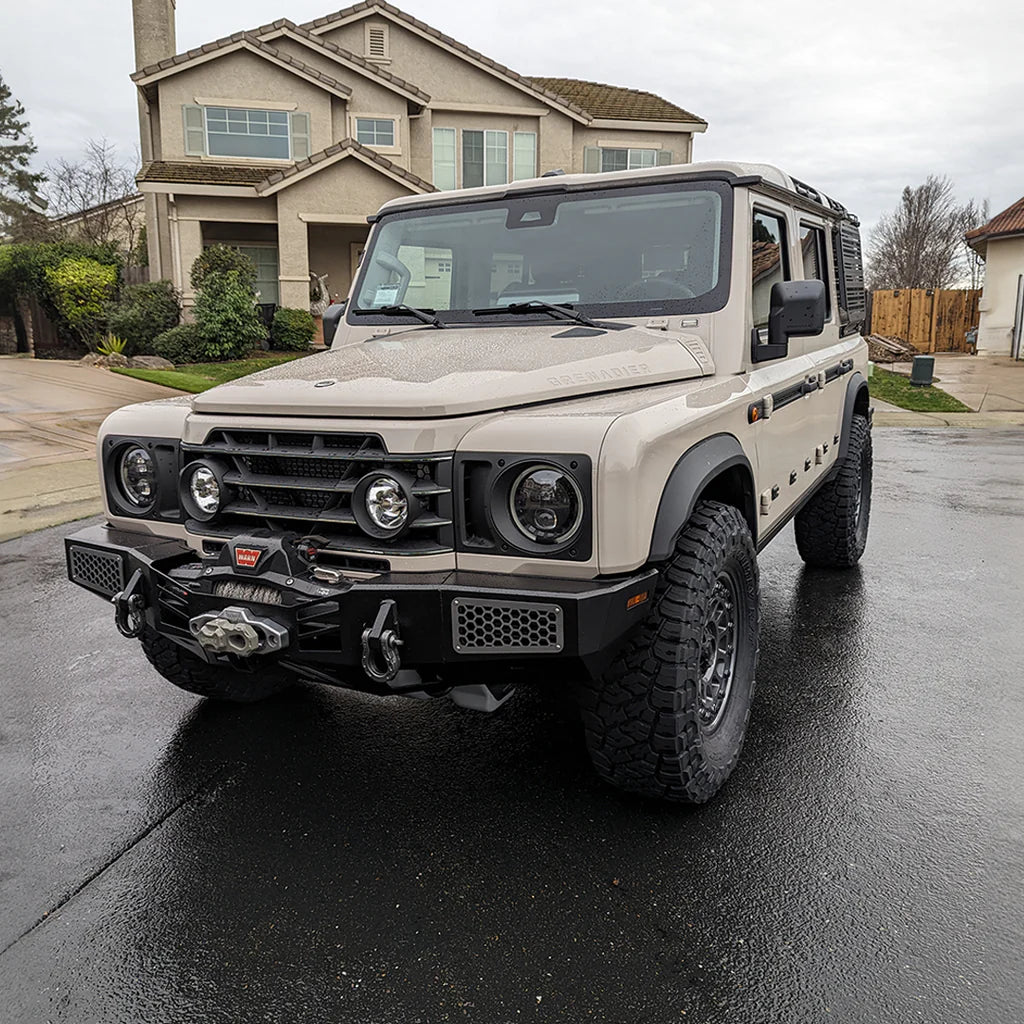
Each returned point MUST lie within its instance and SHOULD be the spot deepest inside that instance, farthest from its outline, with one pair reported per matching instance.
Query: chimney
(154, 31)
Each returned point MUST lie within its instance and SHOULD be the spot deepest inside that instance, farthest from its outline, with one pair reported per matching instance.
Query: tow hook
(129, 607)
(381, 660)
(237, 631)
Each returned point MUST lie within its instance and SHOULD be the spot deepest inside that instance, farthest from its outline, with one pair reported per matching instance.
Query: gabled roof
(1009, 222)
(369, 7)
(339, 54)
(281, 178)
(615, 102)
(239, 41)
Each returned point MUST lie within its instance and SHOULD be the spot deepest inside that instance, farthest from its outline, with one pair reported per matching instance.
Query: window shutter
(300, 136)
(591, 160)
(376, 42)
(664, 157)
(195, 135)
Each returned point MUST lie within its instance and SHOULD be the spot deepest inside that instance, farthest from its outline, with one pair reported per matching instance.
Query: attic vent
(377, 42)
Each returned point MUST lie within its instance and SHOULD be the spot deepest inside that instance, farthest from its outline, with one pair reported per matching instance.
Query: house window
(244, 132)
(601, 159)
(524, 155)
(252, 133)
(373, 131)
(486, 157)
(815, 260)
(444, 158)
(377, 42)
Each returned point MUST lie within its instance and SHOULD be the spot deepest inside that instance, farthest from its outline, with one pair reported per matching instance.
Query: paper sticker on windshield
(387, 295)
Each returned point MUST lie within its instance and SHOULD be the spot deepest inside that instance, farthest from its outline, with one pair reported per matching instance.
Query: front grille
(98, 570)
(506, 627)
(303, 482)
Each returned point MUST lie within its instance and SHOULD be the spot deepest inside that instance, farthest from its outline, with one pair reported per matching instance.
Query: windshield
(633, 251)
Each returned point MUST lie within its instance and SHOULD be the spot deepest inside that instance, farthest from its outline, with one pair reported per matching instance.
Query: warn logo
(246, 558)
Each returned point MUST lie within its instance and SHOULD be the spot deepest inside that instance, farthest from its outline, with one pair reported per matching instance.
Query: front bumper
(451, 624)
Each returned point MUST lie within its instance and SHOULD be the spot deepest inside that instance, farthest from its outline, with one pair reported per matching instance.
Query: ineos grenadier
(557, 422)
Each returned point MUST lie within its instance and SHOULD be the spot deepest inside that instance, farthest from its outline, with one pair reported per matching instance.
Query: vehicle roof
(750, 173)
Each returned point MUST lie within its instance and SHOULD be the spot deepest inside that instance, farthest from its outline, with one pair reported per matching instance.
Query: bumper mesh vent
(506, 627)
(97, 570)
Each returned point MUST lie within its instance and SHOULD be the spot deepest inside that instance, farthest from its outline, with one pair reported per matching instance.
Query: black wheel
(832, 528)
(669, 717)
(217, 682)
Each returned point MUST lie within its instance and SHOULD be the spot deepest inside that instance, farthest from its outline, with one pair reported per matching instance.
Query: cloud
(859, 100)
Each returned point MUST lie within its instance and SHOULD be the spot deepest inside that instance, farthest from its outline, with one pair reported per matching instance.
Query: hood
(454, 372)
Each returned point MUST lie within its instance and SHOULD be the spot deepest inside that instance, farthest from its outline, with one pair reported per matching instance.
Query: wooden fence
(929, 319)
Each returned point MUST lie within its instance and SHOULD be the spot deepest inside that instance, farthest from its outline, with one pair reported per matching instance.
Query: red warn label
(246, 558)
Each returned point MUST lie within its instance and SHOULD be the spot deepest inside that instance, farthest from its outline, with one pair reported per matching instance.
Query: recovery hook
(381, 660)
(130, 607)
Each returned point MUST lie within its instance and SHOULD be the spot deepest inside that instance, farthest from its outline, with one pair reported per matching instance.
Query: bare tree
(921, 243)
(975, 215)
(91, 196)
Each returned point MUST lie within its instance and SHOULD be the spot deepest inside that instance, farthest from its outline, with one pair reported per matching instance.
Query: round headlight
(386, 504)
(204, 489)
(546, 504)
(137, 473)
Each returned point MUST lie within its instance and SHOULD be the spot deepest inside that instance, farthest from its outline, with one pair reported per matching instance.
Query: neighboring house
(119, 221)
(282, 140)
(1000, 243)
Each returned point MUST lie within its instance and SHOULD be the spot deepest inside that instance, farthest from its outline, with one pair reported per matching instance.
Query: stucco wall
(245, 79)
(1004, 263)
(330, 252)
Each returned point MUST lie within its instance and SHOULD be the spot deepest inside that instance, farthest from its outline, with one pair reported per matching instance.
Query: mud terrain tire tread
(190, 673)
(827, 533)
(641, 717)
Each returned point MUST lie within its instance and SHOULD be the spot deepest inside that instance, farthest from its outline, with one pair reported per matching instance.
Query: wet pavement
(328, 856)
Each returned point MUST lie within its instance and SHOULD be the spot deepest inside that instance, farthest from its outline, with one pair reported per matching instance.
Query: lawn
(897, 389)
(196, 377)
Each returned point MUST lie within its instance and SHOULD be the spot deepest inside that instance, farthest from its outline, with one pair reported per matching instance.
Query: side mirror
(797, 309)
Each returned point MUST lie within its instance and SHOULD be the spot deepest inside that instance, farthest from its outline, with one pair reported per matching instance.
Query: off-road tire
(832, 528)
(642, 718)
(217, 682)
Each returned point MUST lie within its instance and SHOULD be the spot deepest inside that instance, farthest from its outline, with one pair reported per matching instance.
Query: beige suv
(556, 424)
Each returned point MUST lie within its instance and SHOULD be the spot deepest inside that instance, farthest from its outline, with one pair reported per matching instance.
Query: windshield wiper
(427, 316)
(538, 306)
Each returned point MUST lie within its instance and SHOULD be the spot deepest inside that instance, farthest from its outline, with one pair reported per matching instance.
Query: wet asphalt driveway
(332, 857)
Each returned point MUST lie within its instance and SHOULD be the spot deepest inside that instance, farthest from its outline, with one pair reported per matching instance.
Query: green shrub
(292, 330)
(219, 259)
(181, 344)
(226, 316)
(80, 290)
(143, 312)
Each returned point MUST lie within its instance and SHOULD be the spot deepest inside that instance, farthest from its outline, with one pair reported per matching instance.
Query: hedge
(292, 330)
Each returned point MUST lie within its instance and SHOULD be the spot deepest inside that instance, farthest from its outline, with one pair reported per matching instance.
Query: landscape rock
(150, 363)
(114, 359)
(91, 359)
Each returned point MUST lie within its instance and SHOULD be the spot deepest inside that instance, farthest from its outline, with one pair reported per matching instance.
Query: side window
(815, 260)
(769, 264)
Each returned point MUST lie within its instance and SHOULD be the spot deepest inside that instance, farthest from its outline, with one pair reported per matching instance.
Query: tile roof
(202, 173)
(247, 39)
(1009, 222)
(282, 174)
(284, 25)
(613, 101)
(380, 5)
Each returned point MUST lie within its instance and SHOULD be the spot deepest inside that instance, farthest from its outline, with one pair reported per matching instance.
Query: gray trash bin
(922, 371)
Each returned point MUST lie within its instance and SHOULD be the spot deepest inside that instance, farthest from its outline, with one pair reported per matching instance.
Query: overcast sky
(859, 98)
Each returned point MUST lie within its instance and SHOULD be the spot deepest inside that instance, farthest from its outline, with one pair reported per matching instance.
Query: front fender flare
(689, 477)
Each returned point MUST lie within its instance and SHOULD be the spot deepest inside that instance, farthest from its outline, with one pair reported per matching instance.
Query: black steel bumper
(449, 622)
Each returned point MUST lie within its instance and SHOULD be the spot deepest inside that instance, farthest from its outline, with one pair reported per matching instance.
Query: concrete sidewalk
(50, 411)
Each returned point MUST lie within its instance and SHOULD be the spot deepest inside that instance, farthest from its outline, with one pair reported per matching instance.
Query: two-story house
(281, 140)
